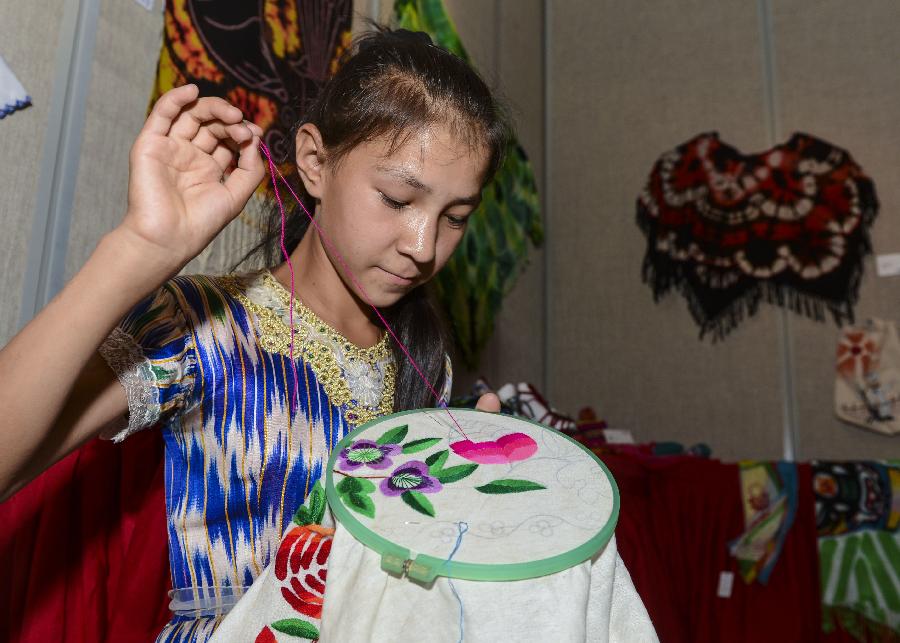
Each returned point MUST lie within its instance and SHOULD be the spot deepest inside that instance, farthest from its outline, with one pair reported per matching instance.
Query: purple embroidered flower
(411, 476)
(367, 453)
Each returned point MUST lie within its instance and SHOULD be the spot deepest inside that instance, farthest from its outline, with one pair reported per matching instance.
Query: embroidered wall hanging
(789, 226)
(12, 95)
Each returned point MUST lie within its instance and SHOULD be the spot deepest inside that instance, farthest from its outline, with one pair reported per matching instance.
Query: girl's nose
(418, 238)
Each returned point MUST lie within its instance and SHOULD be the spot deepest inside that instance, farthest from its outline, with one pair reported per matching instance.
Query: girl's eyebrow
(404, 175)
(413, 181)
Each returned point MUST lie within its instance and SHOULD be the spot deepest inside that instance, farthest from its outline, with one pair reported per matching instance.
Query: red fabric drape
(84, 547)
(677, 517)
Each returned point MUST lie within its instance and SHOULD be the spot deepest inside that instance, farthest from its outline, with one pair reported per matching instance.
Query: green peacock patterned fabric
(495, 249)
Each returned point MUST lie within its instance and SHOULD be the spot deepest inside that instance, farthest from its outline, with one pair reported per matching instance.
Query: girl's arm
(57, 392)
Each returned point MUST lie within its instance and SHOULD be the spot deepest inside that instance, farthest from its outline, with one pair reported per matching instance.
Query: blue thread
(463, 528)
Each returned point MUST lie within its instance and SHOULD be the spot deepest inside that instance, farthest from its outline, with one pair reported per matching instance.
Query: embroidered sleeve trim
(135, 372)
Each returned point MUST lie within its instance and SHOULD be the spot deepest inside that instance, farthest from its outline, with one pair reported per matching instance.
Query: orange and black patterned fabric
(789, 226)
(269, 58)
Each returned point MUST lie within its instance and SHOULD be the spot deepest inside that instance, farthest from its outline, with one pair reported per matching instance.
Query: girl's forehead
(432, 147)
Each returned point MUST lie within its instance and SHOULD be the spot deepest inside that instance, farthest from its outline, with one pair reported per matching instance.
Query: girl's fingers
(188, 122)
(256, 129)
(223, 155)
(248, 174)
(167, 109)
(214, 133)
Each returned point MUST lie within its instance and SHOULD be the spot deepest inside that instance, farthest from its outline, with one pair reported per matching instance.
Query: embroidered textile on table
(789, 226)
(209, 354)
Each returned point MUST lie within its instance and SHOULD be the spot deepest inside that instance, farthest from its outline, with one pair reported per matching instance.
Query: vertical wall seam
(785, 333)
(546, 61)
(46, 262)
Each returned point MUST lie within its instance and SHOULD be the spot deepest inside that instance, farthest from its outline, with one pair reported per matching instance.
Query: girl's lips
(398, 279)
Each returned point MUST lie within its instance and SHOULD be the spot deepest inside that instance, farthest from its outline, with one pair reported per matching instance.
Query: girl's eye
(391, 203)
(457, 222)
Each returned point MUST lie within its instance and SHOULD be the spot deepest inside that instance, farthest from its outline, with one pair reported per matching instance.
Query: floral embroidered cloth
(521, 520)
(727, 230)
(206, 359)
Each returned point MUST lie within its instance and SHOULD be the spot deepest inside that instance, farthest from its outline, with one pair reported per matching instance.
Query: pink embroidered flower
(505, 449)
(301, 565)
(855, 354)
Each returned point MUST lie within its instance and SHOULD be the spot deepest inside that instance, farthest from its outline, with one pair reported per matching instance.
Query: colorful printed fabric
(769, 494)
(495, 248)
(207, 360)
(852, 496)
(727, 230)
(860, 576)
(268, 58)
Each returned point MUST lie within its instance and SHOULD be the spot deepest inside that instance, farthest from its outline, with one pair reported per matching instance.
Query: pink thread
(295, 398)
(273, 171)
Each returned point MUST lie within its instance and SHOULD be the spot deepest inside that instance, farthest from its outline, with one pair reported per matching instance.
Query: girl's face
(396, 219)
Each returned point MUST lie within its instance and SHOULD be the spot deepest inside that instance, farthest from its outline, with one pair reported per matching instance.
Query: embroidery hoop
(413, 543)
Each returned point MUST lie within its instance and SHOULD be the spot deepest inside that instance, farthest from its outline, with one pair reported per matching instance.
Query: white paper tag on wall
(888, 265)
(618, 436)
(726, 582)
(146, 4)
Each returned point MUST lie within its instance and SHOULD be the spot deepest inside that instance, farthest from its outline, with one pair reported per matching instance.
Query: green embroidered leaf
(301, 517)
(419, 502)
(296, 627)
(436, 461)
(360, 503)
(312, 511)
(509, 486)
(348, 485)
(419, 445)
(354, 485)
(394, 436)
(454, 474)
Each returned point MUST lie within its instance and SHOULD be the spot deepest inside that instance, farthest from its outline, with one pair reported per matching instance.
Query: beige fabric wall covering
(629, 81)
(836, 70)
(125, 54)
(28, 44)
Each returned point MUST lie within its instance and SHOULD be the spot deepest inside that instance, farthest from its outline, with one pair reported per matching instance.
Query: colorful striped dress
(207, 360)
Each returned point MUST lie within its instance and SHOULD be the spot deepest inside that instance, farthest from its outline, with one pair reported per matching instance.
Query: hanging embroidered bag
(867, 383)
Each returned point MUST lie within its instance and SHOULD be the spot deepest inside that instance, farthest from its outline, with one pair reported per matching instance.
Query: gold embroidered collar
(360, 379)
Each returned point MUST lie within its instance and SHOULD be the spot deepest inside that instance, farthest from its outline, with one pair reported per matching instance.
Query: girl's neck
(319, 286)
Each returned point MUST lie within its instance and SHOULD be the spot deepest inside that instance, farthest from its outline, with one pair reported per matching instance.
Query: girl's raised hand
(178, 195)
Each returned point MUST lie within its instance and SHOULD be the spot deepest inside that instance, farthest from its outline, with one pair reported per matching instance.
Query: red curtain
(84, 548)
(678, 515)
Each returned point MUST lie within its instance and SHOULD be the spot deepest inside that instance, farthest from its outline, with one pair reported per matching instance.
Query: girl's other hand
(488, 402)
(179, 196)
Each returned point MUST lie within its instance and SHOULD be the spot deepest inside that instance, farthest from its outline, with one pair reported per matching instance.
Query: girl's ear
(310, 159)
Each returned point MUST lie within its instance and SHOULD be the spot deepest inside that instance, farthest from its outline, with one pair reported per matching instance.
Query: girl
(392, 157)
